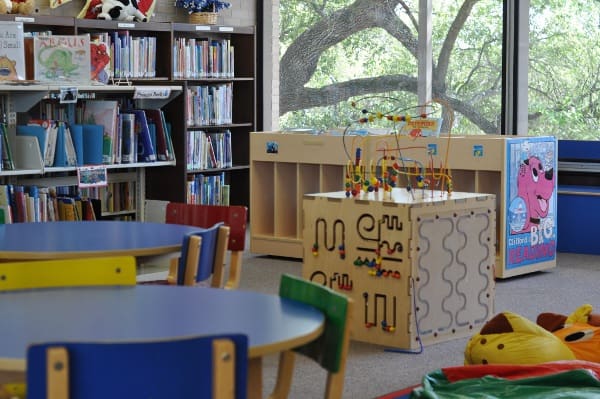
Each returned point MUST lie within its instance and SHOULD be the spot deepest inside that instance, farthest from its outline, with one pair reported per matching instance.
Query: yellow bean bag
(512, 339)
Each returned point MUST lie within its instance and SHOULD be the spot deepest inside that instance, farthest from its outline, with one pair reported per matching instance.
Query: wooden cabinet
(286, 166)
(173, 184)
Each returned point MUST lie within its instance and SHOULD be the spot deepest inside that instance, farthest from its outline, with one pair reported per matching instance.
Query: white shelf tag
(225, 29)
(202, 27)
(151, 92)
(125, 25)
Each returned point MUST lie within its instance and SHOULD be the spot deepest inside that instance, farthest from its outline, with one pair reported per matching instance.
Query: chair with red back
(233, 216)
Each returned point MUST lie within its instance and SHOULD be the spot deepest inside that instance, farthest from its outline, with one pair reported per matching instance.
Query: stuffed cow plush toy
(120, 10)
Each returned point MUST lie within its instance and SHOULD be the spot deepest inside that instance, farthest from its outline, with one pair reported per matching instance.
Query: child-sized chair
(233, 216)
(197, 367)
(331, 348)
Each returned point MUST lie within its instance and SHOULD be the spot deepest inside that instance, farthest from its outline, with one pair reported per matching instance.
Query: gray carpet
(372, 372)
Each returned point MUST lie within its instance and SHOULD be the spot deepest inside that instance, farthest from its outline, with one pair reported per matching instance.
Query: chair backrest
(331, 348)
(109, 270)
(196, 367)
(233, 216)
(203, 256)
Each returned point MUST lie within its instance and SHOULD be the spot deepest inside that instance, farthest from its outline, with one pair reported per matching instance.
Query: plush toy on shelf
(24, 7)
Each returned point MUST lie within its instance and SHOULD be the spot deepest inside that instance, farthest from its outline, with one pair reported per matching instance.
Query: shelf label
(225, 29)
(125, 25)
(151, 92)
(24, 19)
(202, 27)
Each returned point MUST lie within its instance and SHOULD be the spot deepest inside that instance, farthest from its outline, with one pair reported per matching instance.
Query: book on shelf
(64, 58)
(105, 113)
(128, 145)
(5, 205)
(65, 150)
(12, 51)
(27, 151)
(46, 133)
(156, 117)
(7, 158)
(100, 59)
(145, 149)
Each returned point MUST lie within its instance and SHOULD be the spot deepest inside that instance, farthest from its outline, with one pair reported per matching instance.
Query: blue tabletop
(57, 239)
(152, 312)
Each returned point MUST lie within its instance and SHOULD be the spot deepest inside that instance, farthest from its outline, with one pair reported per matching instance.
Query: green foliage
(564, 65)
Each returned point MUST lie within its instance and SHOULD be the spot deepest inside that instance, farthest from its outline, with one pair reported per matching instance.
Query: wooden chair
(234, 216)
(196, 367)
(110, 270)
(331, 348)
(202, 258)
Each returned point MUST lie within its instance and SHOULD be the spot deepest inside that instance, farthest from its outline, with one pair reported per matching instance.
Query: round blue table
(272, 324)
(51, 240)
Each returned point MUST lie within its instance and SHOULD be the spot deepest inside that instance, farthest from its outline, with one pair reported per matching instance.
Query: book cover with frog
(62, 58)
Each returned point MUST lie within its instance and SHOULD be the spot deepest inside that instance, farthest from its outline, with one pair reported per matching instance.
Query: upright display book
(12, 51)
(63, 58)
(145, 149)
(105, 113)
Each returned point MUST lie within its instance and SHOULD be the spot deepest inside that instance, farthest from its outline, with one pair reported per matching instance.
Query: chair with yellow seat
(73, 272)
(192, 367)
(331, 348)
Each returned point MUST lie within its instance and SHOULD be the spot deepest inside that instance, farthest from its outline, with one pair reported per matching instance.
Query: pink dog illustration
(535, 186)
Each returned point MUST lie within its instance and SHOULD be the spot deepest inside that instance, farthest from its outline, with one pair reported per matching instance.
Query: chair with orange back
(233, 216)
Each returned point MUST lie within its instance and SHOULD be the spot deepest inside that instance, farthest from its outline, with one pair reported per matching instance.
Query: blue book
(146, 152)
(92, 144)
(77, 137)
(60, 153)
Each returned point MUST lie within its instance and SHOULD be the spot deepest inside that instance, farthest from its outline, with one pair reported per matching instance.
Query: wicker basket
(206, 18)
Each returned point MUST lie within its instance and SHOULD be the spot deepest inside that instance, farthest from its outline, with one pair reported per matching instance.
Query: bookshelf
(161, 180)
(171, 184)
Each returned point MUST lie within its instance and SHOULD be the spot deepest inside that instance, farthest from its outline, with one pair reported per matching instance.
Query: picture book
(128, 145)
(145, 149)
(7, 158)
(100, 61)
(105, 113)
(64, 58)
(162, 149)
(12, 51)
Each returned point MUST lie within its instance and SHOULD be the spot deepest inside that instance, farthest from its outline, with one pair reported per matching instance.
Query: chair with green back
(331, 348)
(74, 272)
(191, 367)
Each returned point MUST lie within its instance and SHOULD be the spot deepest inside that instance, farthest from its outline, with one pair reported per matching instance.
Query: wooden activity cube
(418, 265)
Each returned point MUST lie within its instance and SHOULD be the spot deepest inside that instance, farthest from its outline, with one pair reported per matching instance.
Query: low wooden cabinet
(286, 166)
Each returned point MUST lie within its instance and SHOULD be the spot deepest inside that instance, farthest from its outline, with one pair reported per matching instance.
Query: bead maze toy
(415, 256)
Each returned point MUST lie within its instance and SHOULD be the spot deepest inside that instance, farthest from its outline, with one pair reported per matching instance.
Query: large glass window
(564, 69)
(339, 57)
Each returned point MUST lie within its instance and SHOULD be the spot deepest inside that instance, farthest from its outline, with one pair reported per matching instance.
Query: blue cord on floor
(410, 351)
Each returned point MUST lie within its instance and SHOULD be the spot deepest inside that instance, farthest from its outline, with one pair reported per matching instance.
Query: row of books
(75, 58)
(130, 135)
(197, 58)
(114, 197)
(210, 104)
(19, 203)
(132, 56)
(208, 150)
(208, 190)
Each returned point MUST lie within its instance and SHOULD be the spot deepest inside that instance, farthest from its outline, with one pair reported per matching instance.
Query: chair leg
(235, 270)
(285, 372)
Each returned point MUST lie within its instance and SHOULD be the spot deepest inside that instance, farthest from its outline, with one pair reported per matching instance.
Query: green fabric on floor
(573, 384)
